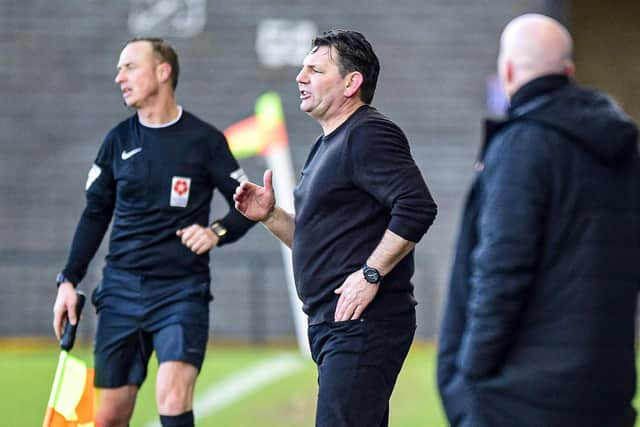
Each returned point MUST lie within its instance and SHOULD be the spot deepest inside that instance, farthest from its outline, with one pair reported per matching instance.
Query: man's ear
(508, 71)
(570, 69)
(507, 76)
(352, 83)
(163, 71)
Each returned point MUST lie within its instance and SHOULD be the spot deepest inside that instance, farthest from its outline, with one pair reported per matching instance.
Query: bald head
(531, 46)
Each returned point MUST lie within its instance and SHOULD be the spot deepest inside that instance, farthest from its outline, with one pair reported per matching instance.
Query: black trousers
(358, 364)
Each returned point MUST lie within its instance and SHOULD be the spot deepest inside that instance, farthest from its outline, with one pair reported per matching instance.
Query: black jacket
(540, 320)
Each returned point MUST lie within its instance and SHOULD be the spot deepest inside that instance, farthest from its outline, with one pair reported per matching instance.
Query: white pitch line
(240, 384)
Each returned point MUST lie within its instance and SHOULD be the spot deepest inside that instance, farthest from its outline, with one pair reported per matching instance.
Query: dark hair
(355, 54)
(164, 52)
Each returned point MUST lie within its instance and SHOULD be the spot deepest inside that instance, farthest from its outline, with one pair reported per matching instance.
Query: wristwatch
(371, 275)
(61, 278)
(218, 229)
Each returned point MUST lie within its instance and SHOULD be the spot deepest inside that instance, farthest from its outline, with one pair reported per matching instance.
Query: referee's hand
(64, 309)
(198, 238)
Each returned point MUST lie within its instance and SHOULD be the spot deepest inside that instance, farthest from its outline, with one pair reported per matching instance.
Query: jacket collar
(529, 97)
(535, 88)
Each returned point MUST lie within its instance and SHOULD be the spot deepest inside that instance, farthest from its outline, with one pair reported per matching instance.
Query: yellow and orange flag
(71, 403)
(260, 133)
(265, 134)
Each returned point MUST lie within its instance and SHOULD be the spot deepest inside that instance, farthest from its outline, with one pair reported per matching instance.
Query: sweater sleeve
(100, 193)
(383, 167)
(514, 185)
(227, 175)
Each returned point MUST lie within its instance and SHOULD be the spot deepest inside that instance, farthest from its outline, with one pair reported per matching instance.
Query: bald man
(539, 323)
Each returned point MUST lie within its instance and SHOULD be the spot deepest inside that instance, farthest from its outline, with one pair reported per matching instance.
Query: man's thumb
(268, 176)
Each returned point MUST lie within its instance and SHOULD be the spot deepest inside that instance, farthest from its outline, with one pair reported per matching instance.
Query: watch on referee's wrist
(371, 275)
(61, 278)
(218, 229)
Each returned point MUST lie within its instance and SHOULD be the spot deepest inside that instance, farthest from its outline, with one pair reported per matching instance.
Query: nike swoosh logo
(127, 154)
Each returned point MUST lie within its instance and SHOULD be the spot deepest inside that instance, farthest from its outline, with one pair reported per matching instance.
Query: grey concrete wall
(56, 79)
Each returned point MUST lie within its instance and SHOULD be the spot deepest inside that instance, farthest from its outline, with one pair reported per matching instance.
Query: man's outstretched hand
(255, 202)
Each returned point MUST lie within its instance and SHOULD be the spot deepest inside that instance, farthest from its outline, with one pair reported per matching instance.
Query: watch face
(371, 275)
(219, 230)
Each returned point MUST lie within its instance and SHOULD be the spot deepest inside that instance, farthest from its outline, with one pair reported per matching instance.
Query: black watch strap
(61, 278)
(371, 275)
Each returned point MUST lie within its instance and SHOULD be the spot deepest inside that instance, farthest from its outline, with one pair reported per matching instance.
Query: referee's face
(137, 74)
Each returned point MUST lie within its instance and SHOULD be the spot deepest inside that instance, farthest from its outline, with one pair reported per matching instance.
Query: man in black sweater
(539, 327)
(361, 206)
(154, 173)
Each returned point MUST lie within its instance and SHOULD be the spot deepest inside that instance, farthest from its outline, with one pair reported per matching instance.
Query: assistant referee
(154, 174)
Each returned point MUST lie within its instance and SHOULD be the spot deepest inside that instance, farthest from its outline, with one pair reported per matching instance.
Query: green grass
(27, 374)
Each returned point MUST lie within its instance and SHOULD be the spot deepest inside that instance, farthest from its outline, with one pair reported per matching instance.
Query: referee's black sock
(182, 420)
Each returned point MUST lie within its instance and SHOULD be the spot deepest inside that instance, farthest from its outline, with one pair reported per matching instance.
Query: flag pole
(279, 161)
(265, 134)
(70, 382)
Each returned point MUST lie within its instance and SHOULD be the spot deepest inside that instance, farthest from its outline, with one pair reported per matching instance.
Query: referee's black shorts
(137, 315)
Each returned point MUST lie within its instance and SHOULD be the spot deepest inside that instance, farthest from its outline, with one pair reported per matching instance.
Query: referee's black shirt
(154, 181)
